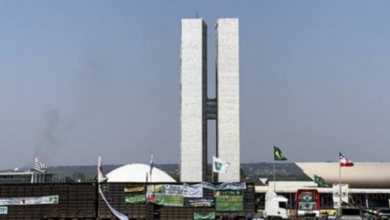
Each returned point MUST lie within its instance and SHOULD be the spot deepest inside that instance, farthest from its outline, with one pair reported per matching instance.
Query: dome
(138, 173)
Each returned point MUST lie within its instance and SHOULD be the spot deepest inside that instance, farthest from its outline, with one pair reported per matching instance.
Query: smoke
(50, 134)
(50, 137)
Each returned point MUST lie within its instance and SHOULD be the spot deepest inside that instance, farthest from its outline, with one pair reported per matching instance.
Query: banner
(210, 215)
(167, 195)
(336, 194)
(135, 189)
(135, 199)
(167, 200)
(117, 214)
(225, 186)
(42, 200)
(228, 193)
(229, 203)
(200, 203)
(3, 210)
(193, 191)
(165, 189)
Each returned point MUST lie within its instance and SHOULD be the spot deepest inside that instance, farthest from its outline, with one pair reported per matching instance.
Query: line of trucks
(308, 207)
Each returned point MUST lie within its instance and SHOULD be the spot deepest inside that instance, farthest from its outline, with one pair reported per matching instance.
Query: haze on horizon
(83, 78)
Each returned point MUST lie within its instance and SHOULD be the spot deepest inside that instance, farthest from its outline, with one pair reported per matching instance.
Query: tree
(242, 175)
(79, 177)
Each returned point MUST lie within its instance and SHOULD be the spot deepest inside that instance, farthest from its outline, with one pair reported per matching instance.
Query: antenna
(196, 15)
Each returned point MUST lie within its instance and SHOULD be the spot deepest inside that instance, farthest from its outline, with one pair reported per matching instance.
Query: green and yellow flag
(320, 182)
(278, 154)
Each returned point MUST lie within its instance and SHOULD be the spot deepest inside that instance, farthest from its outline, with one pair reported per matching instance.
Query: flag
(114, 211)
(101, 177)
(278, 154)
(345, 162)
(39, 166)
(151, 164)
(320, 182)
(219, 166)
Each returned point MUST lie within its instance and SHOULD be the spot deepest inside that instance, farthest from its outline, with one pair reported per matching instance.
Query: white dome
(138, 173)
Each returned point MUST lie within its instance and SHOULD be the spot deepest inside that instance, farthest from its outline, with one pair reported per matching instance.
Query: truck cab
(275, 206)
(308, 204)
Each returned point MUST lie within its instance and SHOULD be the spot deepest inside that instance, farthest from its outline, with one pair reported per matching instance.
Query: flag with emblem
(278, 154)
(345, 162)
(220, 166)
(319, 181)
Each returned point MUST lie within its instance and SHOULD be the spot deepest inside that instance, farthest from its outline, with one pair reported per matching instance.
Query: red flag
(345, 162)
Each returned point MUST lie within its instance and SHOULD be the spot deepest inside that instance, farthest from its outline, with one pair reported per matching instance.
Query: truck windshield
(283, 205)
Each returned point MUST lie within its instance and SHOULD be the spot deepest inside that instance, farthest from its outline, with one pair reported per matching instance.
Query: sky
(83, 78)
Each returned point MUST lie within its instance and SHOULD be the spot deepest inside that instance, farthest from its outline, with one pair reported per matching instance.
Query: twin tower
(197, 108)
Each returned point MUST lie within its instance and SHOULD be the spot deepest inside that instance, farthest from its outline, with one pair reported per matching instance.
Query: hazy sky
(79, 78)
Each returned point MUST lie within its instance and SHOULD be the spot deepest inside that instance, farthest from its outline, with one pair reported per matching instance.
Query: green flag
(320, 182)
(278, 154)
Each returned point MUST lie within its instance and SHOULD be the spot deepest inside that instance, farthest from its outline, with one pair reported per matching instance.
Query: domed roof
(138, 173)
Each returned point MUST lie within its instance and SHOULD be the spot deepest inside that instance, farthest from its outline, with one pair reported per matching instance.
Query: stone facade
(228, 96)
(193, 100)
(196, 108)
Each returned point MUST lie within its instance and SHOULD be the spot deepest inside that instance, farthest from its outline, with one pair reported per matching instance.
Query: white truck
(275, 206)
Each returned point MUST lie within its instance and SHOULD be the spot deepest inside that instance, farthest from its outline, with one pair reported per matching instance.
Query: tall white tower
(228, 97)
(193, 100)
(197, 108)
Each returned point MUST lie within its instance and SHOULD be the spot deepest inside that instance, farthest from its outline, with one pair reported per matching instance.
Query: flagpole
(212, 170)
(151, 167)
(274, 178)
(340, 182)
(274, 169)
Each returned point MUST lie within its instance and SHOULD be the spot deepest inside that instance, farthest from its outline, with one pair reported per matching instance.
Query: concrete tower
(228, 119)
(197, 108)
(193, 100)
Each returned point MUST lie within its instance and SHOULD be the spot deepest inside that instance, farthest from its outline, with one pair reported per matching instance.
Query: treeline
(250, 172)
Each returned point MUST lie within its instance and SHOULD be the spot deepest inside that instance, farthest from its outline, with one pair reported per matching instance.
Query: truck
(308, 205)
(376, 210)
(377, 213)
(275, 206)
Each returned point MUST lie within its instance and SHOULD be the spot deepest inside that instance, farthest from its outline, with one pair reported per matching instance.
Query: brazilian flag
(320, 182)
(278, 154)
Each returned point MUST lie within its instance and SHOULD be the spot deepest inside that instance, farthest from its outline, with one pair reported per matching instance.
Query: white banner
(336, 194)
(114, 211)
(193, 191)
(165, 189)
(42, 200)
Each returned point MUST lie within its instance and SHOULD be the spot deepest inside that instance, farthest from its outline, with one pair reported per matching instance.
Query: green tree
(242, 175)
(79, 177)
